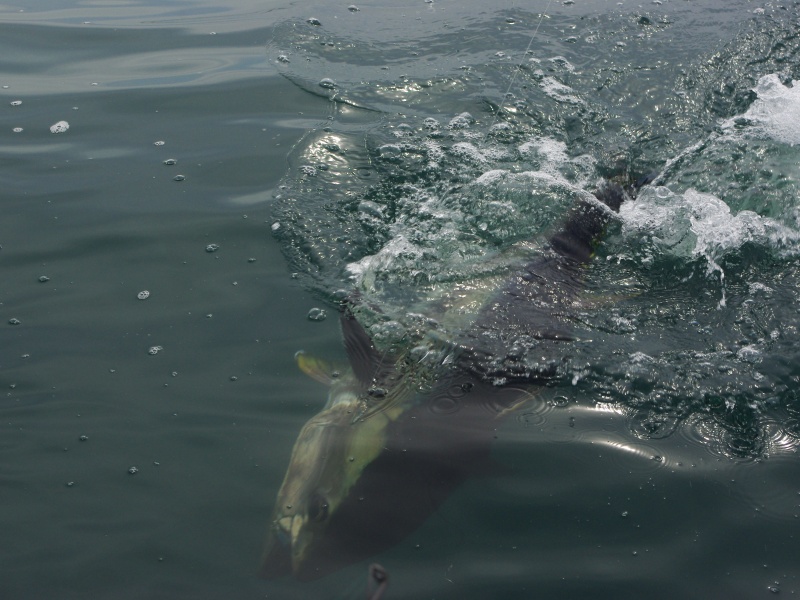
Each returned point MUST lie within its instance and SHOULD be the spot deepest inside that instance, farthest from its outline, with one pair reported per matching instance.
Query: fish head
(327, 460)
(330, 454)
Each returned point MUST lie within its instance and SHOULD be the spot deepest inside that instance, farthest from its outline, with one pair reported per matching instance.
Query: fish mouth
(285, 551)
(276, 560)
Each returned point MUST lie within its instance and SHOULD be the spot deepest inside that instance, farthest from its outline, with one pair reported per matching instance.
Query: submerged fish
(397, 434)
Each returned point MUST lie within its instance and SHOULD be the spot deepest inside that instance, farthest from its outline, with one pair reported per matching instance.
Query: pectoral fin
(316, 368)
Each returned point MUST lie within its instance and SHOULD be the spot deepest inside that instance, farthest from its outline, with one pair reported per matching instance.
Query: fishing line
(542, 15)
(524, 54)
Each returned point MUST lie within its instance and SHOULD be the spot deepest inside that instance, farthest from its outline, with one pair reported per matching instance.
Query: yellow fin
(316, 368)
(527, 395)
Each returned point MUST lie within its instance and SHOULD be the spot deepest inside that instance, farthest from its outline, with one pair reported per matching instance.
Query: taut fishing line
(524, 54)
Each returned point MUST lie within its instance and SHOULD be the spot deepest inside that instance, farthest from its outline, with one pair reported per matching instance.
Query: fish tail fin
(587, 221)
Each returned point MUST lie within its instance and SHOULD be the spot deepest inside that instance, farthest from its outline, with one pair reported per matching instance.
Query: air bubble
(179, 178)
(15, 102)
(44, 279)
(317, 314)
(353, 8)
(17, 130)
(155, 350)
(283, 58)
(444, 405)
(212, 247)
(83, 438)
(314, 21)
(13, 321)
(372, 209)
(327, 83)
(170, 161)
(159, 143)
(59, 127)
(143, 295)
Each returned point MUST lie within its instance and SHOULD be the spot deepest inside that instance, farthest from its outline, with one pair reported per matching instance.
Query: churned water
(190, 188)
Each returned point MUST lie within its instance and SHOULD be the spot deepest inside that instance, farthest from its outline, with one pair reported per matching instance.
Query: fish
(399, 433)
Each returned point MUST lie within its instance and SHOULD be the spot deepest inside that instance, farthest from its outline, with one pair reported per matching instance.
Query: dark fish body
(535, 305)
(386, 449)
(437, 444)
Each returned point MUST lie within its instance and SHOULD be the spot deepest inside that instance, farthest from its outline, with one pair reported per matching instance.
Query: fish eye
(317, 508)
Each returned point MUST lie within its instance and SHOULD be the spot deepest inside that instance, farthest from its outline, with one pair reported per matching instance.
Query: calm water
(663, 466)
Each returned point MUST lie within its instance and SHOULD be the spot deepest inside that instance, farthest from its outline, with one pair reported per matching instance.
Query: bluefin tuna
(398, 434)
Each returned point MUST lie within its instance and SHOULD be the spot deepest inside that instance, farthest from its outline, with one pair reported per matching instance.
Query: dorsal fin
(368, 364)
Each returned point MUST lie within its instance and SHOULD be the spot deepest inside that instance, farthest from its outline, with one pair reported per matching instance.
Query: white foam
(698, 225)
(363, 271)
(434, 150)
(554, 158)
(529, 181)
(492, 177)
(563, 63)
(462, 121)
(60, 127)
(469, 152)
(774, 114)
(553, 151)
(560, 92)
(451, 227)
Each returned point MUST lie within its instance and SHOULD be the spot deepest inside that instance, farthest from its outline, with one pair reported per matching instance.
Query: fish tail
(587, 221)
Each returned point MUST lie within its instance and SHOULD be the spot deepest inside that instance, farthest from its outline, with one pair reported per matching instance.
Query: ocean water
(183, 182)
